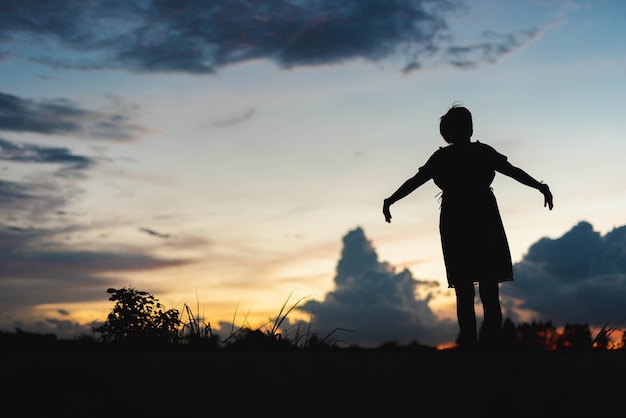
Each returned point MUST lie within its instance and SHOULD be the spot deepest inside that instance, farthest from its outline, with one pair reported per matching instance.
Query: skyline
(220, 155)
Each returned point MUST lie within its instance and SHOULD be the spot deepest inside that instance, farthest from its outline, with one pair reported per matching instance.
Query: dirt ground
(392, 383)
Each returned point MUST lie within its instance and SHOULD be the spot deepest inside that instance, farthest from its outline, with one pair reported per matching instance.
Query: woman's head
(456, 125)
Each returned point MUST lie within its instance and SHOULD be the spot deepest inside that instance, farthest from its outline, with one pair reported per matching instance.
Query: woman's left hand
(547, 196)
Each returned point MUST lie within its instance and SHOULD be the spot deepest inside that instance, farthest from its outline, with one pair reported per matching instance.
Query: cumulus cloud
(376, 303)
(578, 278)
(574, 279)
(196, 36)
(64, 117)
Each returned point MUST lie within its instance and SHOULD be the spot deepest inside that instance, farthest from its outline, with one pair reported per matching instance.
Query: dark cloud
(34, 275)
(29, 153)
(196, 36)
(235, 120)
(577, 278)
(154, 233)
(53, 184)
(376, 303)
(63, 117)
(488, 48)
(28, 201)
(53, 117)
(46, 190)
(11, 192)
(36, 267)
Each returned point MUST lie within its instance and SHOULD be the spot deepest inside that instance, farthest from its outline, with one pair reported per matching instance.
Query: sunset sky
(233, 156)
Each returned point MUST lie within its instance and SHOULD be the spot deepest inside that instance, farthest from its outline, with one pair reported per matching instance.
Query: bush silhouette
(138, 318)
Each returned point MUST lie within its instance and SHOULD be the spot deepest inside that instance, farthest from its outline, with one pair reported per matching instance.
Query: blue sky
(233, 157)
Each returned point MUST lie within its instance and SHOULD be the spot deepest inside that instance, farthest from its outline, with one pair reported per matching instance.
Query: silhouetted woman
(473, 240)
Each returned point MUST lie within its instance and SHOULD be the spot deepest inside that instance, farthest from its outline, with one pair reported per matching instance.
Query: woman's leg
(466, 315)
(492, 311)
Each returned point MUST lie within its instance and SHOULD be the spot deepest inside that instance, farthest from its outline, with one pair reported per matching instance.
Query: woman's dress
(473, 240)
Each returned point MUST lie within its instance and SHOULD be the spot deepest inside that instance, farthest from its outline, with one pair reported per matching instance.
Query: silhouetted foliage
(256, 340)
(197, 333)
(602, 340)
(537, 335)
(605, 340)
(510, 337)
(25, 339)
(138, 318)
(576, 337)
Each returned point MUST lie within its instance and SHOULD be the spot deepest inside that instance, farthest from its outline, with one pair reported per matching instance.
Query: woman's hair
(456, 124)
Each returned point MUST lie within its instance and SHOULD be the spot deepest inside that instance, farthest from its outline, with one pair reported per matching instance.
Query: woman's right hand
(386, 210)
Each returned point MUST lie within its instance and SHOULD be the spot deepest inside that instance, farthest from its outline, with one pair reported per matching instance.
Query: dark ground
(336, 383)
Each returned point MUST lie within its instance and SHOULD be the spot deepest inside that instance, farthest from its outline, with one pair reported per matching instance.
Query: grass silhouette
(271, 334)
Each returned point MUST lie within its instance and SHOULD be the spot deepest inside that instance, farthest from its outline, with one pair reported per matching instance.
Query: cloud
(50, 266)
(29, 153)
(376, 303)
(154, 233)
(574, 279)
(26, 202)
(39, 193)
(39, 181)
(42, 192)
(577, 278)
(488, 48)
(235, 120)
(204, 37)
(62, 328)
(34, 274)
(64, 117)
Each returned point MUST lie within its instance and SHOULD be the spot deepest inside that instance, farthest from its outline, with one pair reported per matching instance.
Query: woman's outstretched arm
(405, 189)
(525, 178)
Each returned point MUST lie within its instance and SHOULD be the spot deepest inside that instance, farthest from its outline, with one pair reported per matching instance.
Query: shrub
(138, 318)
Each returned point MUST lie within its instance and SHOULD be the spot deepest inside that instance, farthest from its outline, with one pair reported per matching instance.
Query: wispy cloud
(33, 275)
(236, 120)
(42, 192)
(489, 47)
(29, 153)
(204, 37)
(64, 117)
(154, 233)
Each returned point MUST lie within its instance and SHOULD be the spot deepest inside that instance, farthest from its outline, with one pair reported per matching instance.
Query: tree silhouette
(576, 337)
(138, 318)
(537, 335)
